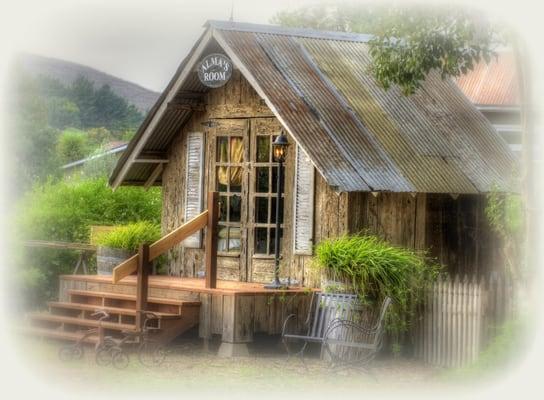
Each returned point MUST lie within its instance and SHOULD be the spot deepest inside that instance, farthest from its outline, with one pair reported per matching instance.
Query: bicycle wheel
(66, 353)
(103, 356)
(119, 359)
(77, 352)
(151, 354)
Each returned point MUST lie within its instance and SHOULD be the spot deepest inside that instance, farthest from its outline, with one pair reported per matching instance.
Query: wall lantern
(279, 147)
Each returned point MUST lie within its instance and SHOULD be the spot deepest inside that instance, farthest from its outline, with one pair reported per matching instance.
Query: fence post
(142, 281)
(211, 240)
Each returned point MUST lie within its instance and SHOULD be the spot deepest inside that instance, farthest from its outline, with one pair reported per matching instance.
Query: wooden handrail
(162, 245)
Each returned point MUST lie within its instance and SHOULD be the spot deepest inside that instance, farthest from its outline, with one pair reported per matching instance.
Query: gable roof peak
(287, 31)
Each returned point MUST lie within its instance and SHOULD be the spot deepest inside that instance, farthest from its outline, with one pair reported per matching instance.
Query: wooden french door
(242, 170)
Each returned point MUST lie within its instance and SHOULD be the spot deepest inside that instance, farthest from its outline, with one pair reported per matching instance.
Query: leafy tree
(72, 146)
(32, 141)
(62, 113)
(408, 41)
(83, 94)
(99, 136)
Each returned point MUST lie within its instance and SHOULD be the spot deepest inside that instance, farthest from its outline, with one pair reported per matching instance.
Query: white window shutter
(303, 204)
(193, 183)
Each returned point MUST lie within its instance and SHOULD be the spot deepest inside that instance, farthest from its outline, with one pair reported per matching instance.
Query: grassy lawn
(189, 368)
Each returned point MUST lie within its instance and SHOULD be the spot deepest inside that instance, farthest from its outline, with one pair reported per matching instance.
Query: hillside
(66, 72)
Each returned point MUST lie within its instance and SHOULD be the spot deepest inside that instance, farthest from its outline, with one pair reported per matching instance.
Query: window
(229, 174)
(264, 195)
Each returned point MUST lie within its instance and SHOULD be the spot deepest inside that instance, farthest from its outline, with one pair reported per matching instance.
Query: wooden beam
(178, 235)
(154, 175)
(151, 160)
(174, 105)
(126, 268)
(211, 240)
(142, 283)
(162, 245)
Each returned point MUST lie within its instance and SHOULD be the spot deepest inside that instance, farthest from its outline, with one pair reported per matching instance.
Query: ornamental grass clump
(373, 269)
(129, 237)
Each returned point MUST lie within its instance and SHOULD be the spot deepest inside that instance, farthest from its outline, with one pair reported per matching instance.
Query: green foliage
(374, 269)
(129, 237)
(32, 140)
(72, 145)
(64, 211)
(40, 108)
(409, 41)
(99, 136)
(504, 211)
(506, 216)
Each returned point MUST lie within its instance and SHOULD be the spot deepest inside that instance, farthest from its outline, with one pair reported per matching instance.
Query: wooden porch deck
(235, 311)
(191, 285)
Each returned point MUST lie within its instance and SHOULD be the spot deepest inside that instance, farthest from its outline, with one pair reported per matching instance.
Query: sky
(138, 41)
(144, 41)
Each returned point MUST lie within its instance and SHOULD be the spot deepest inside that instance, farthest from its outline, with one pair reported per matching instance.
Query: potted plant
(372, 268)
(121, 243)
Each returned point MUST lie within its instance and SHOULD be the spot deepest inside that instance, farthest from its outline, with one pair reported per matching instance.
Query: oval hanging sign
(215, 70)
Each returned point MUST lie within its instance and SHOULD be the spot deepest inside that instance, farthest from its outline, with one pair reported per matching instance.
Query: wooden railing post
(144, 266)
(211, 240)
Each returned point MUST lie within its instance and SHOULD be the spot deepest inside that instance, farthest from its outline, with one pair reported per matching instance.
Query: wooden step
(46, 317)
(57, 334)
(93, 308)
(120, 296)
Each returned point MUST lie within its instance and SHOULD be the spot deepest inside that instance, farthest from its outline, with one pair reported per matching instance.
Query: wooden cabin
(414, 170)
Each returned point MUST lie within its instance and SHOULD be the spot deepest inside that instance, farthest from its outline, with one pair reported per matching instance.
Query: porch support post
(211, 240)
(142, 281)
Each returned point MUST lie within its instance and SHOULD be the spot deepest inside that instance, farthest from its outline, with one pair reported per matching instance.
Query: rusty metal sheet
(493, 84)
(357, 144)
(359, 136)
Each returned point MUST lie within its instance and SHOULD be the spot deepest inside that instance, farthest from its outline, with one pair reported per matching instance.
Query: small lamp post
(279, 150)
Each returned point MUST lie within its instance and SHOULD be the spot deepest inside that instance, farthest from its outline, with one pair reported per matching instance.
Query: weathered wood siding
(453, 230)
(237, 99)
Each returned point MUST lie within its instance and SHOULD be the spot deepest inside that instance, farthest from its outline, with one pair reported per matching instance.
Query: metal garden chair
(347, 342)
(324, 308)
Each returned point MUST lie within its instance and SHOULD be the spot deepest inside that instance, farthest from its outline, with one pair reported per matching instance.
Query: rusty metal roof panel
(407, 137)
(493, 84)
(357, 144)
(297, 114)
(359, 136)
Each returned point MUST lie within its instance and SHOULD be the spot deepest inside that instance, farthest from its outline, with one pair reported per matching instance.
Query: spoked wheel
(119, 358)
(103, 356)
(151, 353)
(69, 353)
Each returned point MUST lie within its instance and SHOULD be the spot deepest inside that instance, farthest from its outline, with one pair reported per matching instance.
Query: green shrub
(129, 237)
(72, 145)
(374, 269)
(64, 211)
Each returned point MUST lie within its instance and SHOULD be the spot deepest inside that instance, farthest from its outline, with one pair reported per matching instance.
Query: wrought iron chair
(324, 308)
(349, 342)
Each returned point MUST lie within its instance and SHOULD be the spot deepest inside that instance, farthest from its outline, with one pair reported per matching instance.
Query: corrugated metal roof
(359, 136)
(493, 84)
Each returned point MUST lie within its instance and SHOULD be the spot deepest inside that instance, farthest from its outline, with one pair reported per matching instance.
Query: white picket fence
(459, 317)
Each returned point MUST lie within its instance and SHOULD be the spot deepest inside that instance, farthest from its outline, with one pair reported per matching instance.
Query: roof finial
(231, 19)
